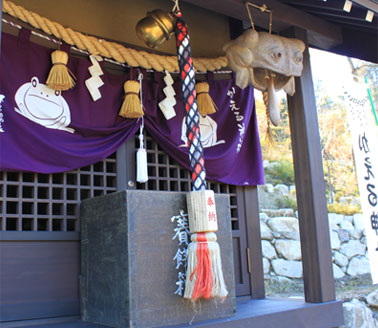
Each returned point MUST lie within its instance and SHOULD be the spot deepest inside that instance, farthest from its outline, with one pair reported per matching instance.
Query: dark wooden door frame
(245, 266)
(254, 242)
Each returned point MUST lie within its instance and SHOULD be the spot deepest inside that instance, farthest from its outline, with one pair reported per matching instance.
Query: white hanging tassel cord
(141, 156)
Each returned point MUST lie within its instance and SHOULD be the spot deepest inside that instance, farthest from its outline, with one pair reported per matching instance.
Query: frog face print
(43, 105)
(208, 130)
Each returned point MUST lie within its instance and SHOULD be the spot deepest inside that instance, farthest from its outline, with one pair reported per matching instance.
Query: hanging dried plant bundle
(269, 132)
(131, 107)
(205, 104)
(60, 77)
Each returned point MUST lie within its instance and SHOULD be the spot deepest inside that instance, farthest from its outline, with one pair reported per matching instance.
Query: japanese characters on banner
(365, 148)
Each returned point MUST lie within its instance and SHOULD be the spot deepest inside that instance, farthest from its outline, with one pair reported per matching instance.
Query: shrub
(287, 202)
(345, 209)
(282, 172)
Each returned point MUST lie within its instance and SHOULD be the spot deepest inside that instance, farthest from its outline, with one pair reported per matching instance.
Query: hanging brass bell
(156, 27)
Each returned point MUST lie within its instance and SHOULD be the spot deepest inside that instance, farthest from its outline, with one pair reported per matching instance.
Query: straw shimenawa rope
(108, 49)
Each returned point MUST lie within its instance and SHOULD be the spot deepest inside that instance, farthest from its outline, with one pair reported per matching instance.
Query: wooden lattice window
(50, 202)
(165, 174)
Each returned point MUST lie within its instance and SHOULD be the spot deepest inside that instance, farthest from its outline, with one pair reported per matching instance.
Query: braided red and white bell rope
(204, 276)
(188, 87)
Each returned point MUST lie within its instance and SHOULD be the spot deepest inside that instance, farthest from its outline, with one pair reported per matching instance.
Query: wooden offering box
(128, 275)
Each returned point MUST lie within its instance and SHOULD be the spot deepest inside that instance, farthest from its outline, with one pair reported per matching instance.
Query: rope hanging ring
(263, 9)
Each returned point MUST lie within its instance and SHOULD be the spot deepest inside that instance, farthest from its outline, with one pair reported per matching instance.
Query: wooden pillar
(254, 242)
(310, 186)
(126, 157)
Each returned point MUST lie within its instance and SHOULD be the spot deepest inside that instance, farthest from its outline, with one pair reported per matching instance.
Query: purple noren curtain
(49, 132)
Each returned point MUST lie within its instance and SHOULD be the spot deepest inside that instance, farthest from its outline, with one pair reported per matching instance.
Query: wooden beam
(321, 33)
(369, 4)
(310, 187)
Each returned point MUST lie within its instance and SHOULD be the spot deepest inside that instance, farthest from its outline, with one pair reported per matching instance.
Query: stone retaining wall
(281, 246)
(282, 256)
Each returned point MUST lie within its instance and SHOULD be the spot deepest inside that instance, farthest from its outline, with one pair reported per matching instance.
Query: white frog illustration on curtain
(42, 105)
(208, 130)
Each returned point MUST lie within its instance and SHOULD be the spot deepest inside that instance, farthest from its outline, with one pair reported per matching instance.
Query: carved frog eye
(298, 57)
(276, 55)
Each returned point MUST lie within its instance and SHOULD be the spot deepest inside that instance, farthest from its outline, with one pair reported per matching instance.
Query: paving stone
(337, 272)
(372, 299)
(358, 266)
(268, 250)
(358, 221)
(357, 315)
(263, 216)
(269, 188)
(340, 259)
(285, 226)
(282, 189)
(352, 248)
(266, 233)
(343, 235)
(335, 240)
(335, 219)
(266, 266)
(289, 249)
(291, 269)
(352, 231)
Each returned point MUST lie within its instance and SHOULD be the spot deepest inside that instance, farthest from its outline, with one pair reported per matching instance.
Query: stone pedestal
(128, 273)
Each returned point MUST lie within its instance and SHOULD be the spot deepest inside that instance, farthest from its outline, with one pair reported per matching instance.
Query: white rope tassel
(218, 288)
(141, 155)
(191, 265)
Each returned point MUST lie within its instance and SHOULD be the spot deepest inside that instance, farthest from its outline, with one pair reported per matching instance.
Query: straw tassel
(269, 132)
(131, 107)
(206, 105)
(60, 77)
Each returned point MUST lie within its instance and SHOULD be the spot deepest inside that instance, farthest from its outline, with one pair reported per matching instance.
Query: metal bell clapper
(156, 27)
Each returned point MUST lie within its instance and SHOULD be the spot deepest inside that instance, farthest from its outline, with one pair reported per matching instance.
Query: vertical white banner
(364, 134)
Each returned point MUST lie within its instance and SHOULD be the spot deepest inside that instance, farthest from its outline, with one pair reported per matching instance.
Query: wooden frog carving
(268, 62)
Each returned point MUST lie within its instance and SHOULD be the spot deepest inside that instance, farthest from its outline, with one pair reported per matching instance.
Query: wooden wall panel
(39, 279)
